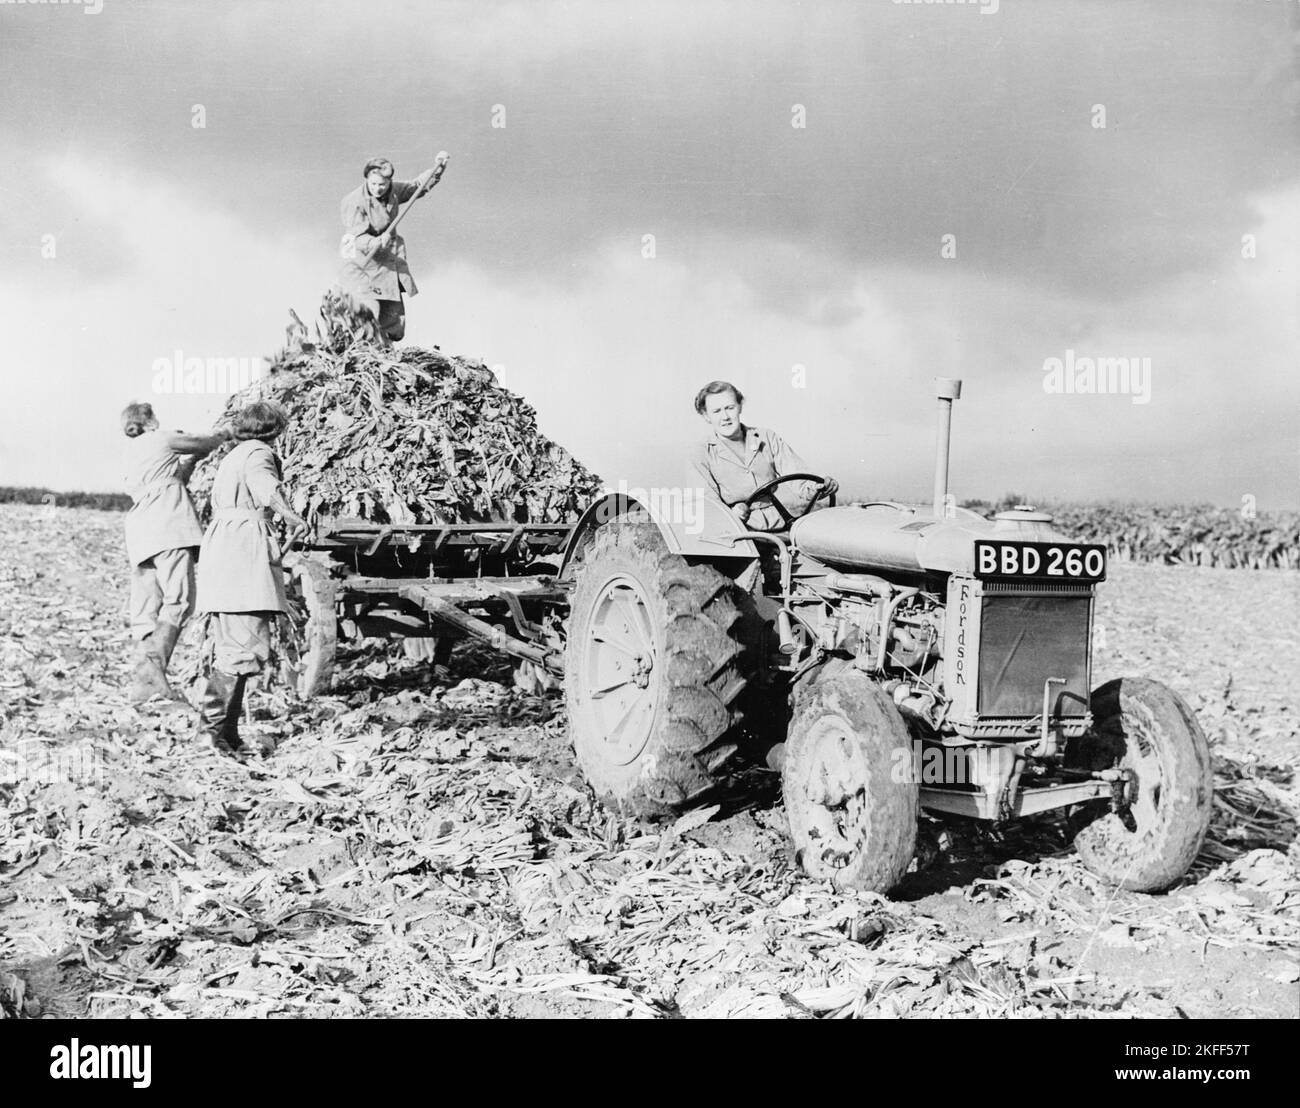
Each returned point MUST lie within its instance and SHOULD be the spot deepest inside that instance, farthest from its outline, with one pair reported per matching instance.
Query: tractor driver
(735, 460)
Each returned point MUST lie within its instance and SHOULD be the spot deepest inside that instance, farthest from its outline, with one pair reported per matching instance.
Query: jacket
(162, 515)
(370, 272)
(239, 561)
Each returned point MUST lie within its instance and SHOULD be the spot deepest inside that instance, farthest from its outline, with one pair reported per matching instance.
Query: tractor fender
(705, 531)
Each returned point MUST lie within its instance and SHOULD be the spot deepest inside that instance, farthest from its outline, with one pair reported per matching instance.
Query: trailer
(491, 581)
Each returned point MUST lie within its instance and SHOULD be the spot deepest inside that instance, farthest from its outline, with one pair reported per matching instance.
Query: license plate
(1044, 561)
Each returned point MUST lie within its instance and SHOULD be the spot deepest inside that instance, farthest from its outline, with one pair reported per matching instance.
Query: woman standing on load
(241, 581)
(375, 273)
(162, 536)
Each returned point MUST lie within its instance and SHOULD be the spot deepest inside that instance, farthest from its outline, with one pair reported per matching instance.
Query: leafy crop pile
(406, 435)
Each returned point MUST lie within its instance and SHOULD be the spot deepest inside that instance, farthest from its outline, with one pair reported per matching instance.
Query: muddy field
(426, 847)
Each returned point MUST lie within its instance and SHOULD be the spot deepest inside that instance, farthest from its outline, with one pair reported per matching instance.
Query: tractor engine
(910, 631)
(895, 634)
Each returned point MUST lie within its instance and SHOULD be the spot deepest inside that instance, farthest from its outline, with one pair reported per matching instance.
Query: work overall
(162, 537)
(240, 584)
(374, 276)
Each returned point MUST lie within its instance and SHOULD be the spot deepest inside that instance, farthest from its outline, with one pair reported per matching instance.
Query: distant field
(1164, 534)
(104, 501)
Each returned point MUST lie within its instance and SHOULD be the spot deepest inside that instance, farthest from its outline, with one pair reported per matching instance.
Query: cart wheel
(311, 626)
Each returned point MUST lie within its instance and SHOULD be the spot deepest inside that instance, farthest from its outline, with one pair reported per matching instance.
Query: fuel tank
(910, 539)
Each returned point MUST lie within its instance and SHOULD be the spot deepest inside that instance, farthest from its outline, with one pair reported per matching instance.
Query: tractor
(898, 659)
(921, 659)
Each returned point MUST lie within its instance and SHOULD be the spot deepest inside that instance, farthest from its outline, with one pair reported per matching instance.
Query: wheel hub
(620, 684)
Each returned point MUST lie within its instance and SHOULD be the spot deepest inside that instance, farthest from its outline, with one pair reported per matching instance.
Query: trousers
(162, 591)
(392, 319)
(241, 641)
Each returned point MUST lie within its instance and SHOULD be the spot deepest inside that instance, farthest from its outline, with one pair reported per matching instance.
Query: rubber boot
(230, 729)
(162, 646)
(214, 711)
(259, 744)
(148, 678)
(164, 641)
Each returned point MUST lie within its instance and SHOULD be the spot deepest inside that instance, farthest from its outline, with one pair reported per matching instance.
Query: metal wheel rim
(620, 670)
(835, 791)
(1143, 759)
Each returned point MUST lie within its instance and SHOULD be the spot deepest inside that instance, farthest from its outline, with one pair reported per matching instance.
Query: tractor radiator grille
(1025, 639)
(1037, 588)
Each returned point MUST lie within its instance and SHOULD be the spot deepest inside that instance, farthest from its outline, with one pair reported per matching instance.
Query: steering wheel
(767, 492)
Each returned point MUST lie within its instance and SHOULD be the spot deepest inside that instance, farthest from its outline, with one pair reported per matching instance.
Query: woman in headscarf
(162, 538)
(241, 580)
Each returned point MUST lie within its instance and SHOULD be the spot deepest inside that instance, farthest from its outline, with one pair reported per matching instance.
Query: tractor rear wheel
(1146, 728)
(850, 788)
(655, 665)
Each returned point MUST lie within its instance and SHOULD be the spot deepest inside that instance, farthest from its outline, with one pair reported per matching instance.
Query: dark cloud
(674, 119)
(921, 121)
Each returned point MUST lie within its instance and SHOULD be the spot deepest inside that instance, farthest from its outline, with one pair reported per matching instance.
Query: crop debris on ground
(417, 847)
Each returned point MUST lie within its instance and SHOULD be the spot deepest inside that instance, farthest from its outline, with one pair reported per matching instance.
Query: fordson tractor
(907, 658)
(929, 658)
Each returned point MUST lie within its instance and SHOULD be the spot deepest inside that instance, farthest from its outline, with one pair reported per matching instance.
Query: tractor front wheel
(850, 788)
(1147, 729)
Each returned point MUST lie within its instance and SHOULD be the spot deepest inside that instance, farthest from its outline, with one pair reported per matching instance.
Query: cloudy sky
(1118, 180)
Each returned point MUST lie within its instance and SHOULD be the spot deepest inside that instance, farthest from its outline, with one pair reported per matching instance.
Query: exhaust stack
(947, 389)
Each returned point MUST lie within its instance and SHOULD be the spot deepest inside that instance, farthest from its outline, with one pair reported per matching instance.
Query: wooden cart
(491, 581)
